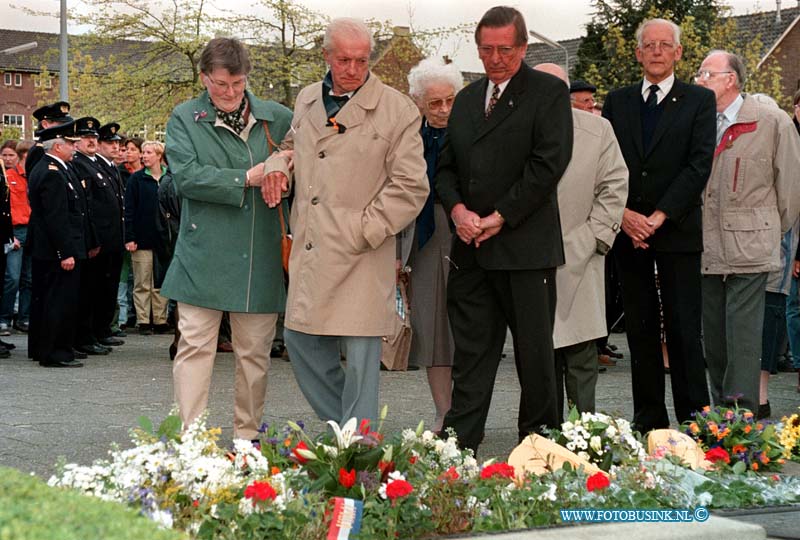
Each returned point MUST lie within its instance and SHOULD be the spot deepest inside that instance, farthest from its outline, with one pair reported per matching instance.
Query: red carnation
(363, 428)
(347, 479)
(300, 446)
(503, 470)
(718, 454)
(450, 475)
(597, 481)
(260, 491)
(398, 488)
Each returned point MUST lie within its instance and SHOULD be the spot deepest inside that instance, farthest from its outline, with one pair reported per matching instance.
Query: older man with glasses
(752, 197)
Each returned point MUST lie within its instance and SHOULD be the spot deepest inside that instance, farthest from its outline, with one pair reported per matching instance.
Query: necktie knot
(652, 97)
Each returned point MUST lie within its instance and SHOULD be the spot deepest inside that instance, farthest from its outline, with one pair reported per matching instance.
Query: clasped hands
(470, 227)
(275, 184)
(640, 227)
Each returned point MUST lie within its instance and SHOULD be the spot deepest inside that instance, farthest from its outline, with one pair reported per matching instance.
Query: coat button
(644, 173)
(246, 207)
(244, 255)
(314, 200)
(321, 154)
(309, 246)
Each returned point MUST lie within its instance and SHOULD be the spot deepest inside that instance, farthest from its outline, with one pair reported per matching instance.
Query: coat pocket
(750, 235)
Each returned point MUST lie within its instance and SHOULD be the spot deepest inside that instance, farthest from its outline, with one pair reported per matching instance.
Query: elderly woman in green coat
(228, 253)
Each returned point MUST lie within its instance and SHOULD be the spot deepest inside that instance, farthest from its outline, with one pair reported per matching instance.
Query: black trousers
(680, 281)
(481, 305)
(54, 311)
(98, 297)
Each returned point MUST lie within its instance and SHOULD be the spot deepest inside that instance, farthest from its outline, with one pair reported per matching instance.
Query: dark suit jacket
(510, 162)
(59, 225)
(105, 195)
(671, 174)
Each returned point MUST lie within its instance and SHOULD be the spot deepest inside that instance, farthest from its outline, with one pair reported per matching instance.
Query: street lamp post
(63, 75)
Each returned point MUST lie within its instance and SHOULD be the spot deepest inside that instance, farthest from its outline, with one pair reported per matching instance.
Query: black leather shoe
(7, 346)
(63, 363)
(109, 341)
(92, 350)
(21, 326)
(145, 330)
(120, 333)
(79, 355)
(277, 350)
(764, 411)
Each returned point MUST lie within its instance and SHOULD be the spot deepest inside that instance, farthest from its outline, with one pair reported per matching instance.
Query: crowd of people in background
(513, 203)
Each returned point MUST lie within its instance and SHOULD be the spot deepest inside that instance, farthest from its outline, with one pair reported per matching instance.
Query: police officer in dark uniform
(91, 174)
(60, 236)
(107, 195)
(48, 116)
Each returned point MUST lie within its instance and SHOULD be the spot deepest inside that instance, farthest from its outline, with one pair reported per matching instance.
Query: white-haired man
(751, 198)
(360, 180)
(665, 129)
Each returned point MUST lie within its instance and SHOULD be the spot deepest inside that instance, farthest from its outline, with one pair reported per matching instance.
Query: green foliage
(30, 510)
(607, 58)
(10, 133)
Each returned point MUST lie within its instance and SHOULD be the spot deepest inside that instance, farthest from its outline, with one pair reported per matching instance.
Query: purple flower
(264, 427)
(199, 115)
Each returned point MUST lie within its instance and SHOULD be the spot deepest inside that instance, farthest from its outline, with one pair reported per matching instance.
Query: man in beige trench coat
(359, 180)
(591, 200)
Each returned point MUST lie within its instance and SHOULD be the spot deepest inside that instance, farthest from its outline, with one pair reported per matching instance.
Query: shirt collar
(58, 159)
(731, 112)
(101, 156)
(664, 87)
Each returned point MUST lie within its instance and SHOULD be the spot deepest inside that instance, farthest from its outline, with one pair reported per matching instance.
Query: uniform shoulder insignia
(52, 167)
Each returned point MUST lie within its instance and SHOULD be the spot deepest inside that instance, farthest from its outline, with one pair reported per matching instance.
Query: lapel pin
(511, 103)
(674, 99)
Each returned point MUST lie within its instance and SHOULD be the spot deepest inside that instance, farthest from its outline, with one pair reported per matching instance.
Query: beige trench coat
(591, 199)
(753, 194)
(353, 192)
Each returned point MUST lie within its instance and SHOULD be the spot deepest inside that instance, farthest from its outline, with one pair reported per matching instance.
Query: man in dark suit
(109, 215)
(665, 129)
(509, 142)
(60, 238)
(48, 116)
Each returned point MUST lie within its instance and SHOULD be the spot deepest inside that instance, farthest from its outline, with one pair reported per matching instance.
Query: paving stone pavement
(76, 414)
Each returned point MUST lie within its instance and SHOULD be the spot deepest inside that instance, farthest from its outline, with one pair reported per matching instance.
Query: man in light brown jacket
(591, 200)
(360, 179)
(752, 197)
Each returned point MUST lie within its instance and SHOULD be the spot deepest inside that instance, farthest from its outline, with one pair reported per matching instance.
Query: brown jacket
(753, 194)
(353, 192)
(591, 199)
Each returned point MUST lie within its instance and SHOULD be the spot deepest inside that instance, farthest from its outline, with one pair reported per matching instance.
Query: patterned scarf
(233, 119)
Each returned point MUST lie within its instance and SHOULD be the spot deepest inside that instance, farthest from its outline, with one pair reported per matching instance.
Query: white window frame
(17, 79)
(7, 78)
(19, 121)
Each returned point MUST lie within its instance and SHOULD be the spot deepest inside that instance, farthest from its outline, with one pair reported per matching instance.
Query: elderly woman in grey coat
(425, 245)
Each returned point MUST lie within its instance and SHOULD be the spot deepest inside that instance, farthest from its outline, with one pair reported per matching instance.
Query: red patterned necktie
(493, 100)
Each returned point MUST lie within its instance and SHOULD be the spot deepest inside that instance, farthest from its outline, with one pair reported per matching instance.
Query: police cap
(58, 111)
(87, 126)
(64, 131)
(110, 132)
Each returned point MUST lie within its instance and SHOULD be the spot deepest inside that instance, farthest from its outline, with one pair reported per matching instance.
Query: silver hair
(347, 26)
(430, 71)
(676, 30)
(49, 144)
(766, 100)
(736, 65)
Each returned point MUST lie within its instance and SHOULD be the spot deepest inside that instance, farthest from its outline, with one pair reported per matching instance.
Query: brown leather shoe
(605, 360)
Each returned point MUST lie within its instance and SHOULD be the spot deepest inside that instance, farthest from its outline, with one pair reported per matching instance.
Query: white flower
(549, 495)
(596, 444)
(330, 451)
(704, 499)
(345, 435)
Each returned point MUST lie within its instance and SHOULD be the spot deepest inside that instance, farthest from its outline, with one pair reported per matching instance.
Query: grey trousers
(576, 368)
(733, 319)
(337, 392)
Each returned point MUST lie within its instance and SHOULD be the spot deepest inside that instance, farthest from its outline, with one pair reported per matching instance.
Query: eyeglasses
(704, 74)
(223, 86)
(439, 103)
(485, 51)
(665, 46)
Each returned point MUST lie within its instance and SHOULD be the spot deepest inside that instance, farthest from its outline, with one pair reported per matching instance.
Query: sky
(554, 19)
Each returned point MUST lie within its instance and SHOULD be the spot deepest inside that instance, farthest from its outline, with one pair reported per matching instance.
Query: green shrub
(31, 510)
